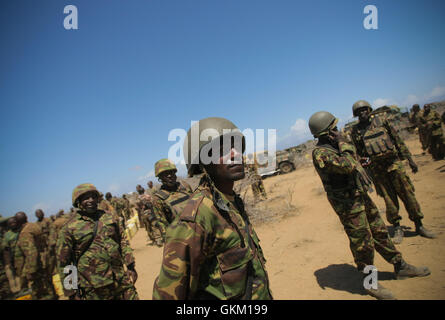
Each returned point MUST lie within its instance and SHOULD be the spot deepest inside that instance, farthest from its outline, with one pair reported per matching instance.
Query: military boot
(381, 293)
(404, 270)
(398, 235)
(421, 230)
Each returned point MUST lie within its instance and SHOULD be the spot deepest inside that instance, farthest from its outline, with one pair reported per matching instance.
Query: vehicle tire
(286, 167)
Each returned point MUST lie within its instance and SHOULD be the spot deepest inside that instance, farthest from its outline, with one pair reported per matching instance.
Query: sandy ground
(307, 250)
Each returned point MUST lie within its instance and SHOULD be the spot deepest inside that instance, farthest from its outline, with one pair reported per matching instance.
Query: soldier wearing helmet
(432, 123)
(155, 229)
(211, 249)
(376, 139)
(170, 198)
(346, 184)
(416, 123)
(95, 242)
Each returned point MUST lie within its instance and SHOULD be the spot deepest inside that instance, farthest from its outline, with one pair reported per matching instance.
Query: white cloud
(300, 128)
(149, 175)
(437, 92)
(380, 102)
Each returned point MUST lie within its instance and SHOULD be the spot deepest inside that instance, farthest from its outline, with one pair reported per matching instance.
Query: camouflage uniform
(9, 244)
(105, 205)
(168, 204)
(415, 120)
(433, 127)
(346, 185)
(155, 230)
(100, 261)
(5, 289)
(119, 207)
(257, 182)
(28, 262)
(386, 151)
(212, 251)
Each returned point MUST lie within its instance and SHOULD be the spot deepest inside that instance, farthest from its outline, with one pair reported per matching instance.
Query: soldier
(9, 243)
(171, 197)
(96, 244)
(415, 120)
(60, 221)
(46, 256)
(256, 181)
(346, 184)
(127, 207)
(433, 126)
(150, 186)
(118, 207)
(378, 143)
(5, 289)
(28, 261)
(211, 249)
(147, 218)
(105, 204)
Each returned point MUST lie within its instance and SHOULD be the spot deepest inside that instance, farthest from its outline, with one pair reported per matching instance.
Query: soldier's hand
(413, 166)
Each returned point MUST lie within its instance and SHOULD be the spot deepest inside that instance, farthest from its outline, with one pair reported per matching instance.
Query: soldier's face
(88, 202)
(168, 178)
(363, 114)
(427, 109)
(39, 215)
(228, 169)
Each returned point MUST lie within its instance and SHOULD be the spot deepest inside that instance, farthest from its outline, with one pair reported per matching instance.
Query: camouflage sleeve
(29, 249)
(182, 258)
(159, 212)
(436, 121)
(64, 254)
(334, 163)
(127, 252)
(402, 149)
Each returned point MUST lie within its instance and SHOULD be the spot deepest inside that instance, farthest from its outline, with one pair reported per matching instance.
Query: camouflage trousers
(41, 287)
(365, 229)
(436, 147)
(423, 137)
(115, 291)
(393, 185)
(5, 289)
(155, 230)
(258, 188)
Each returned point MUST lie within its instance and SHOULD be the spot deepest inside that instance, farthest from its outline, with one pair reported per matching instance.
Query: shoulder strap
(190, 209)
(96, 223)
(162, 194)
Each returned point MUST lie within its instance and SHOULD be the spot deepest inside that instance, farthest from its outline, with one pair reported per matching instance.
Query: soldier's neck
(225, 186)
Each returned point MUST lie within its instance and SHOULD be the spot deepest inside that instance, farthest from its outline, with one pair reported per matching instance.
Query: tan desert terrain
(307, 251)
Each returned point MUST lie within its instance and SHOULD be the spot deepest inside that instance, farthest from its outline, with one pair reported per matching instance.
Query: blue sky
(96, 104)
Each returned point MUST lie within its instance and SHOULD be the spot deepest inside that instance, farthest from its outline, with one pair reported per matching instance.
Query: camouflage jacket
(105, 205)
(414, 119)
(167, 205)
(100, 261)
(341, 174)
(27, 249)
(400, 150)
(432, 122)
(212, 251)
(118, 205)
(45, 227)
(55, 230)
(9, 242)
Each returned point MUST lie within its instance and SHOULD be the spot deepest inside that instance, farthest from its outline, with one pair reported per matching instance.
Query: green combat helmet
(217, 128)
(321, 122)
(82, 189)
(164, 165)
(360, 104)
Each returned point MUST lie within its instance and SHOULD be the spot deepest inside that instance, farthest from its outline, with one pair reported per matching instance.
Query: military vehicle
(284, 161)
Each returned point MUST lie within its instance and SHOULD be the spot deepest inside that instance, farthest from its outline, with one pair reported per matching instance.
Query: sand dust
(307, 250)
